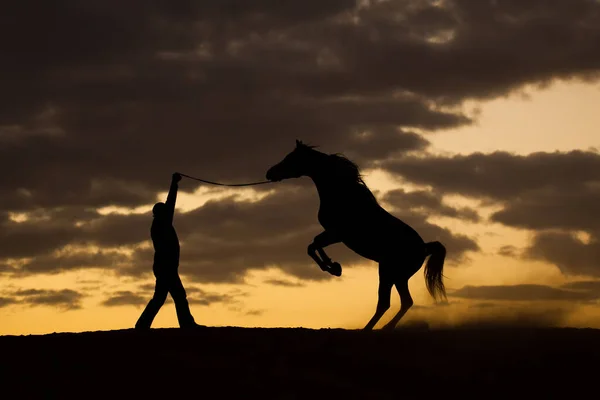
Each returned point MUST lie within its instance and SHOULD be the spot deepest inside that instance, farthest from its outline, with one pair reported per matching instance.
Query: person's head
(158, 211)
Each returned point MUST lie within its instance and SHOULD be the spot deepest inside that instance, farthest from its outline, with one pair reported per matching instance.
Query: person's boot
(184, 315)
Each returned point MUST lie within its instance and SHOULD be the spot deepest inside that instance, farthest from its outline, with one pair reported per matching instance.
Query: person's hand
(176, 177)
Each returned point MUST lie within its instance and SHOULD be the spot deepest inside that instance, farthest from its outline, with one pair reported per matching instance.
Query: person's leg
(182, 306)
(161, 291)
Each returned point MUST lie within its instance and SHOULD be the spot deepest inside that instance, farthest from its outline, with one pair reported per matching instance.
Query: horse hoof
(335, 269)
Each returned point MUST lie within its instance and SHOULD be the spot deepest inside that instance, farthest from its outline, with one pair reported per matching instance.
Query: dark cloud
(91, 106)
(7, 301)
(367, 146)
(559, 215)
(48, 230)
(224, 239)
(591, 286)
(283, 282)
(567, 252)
(557, 207)
(500, 176)
(74, 260)
(102, 101)
(221, 240)
(461, 48)
(195, 296)
(428, 202)
(147, 287)
(29, 238)
(124, 298)
(65, 299)
(105, 100)
(204, 298)
(557, 195)
(414, 208)
(509, 251)
(525, 293)
(457, 245)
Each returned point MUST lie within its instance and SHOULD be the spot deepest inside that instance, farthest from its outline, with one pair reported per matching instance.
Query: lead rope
(225, 184)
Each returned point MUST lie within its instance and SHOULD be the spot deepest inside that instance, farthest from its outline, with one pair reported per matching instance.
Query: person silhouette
(166, 264)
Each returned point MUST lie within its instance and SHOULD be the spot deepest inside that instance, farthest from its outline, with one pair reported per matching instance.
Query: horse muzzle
(273, 175)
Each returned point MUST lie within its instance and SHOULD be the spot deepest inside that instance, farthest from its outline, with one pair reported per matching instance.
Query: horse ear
(298, 143)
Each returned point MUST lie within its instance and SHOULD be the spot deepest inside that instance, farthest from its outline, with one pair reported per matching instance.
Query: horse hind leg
(406, 303)
(383, 301)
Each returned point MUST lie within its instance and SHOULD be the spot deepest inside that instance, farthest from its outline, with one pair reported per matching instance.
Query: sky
(473, 121)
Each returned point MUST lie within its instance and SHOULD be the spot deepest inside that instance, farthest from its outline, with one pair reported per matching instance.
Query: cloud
(567, 207)
(590, 286)
(220, 241)
(6, 301)
(201, 297)
(144, 92)
(226, 89)
(195, 296)
(428, 202)
(556, 195)
(74, 260)
(500, 176)
(124, 298)
(87, 121)
(224, 239)
(567, 252)
(283, 282)
(414, 208)
(508, 251)
(47, 231)
(525, 293)
(148, 287)
(65, 299)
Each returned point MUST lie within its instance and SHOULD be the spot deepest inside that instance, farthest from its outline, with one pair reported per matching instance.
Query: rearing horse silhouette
(351, 215)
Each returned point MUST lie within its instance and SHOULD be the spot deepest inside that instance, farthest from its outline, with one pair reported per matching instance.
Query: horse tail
(434, 269)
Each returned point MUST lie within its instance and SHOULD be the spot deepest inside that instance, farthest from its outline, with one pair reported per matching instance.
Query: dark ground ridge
(289, 363)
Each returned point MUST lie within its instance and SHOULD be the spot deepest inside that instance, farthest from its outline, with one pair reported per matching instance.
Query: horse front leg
(320, 241)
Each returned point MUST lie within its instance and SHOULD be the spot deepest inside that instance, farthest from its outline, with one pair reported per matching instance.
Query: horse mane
(348, 169)
(344, 168)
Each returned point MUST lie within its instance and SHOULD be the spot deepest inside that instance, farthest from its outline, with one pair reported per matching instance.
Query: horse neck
(320, 184)
(328, 187)
(333, 190)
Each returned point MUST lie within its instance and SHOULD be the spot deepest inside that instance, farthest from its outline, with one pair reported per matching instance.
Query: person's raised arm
(172, 196)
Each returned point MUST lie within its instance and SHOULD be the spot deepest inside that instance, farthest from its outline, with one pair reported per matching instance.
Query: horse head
(294, 165)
